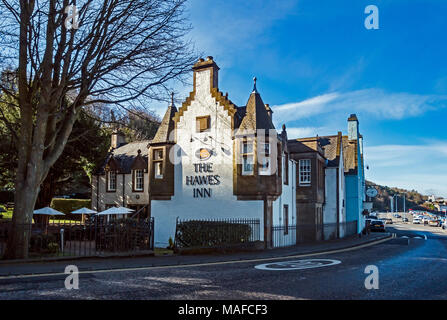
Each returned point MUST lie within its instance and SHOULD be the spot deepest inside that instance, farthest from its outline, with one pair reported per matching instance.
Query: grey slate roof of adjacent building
(331, 146)
(126, 154)
(350, 155)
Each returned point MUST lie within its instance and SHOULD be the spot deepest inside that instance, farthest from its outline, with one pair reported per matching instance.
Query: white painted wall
(222, 204)
(288, 197)
(330, 207)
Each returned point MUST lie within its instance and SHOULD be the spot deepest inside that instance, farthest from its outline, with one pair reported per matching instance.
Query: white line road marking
(297, 264)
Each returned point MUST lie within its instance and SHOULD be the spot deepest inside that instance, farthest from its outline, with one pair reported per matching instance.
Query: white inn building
(209, 159)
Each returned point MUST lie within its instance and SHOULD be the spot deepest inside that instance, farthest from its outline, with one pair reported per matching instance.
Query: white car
(417, 221)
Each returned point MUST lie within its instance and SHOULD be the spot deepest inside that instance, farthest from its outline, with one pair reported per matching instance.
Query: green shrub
(68, 205)
(211, 233)
(43, 242)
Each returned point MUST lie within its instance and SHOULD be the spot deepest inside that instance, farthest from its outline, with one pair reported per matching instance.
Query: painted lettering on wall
(203, 180)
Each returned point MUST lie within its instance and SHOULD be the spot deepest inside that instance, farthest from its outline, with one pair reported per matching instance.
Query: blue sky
(316, 64)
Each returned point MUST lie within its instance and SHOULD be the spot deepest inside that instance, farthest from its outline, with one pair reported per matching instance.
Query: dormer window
(158, 163)
(138, 180)
(111, 181)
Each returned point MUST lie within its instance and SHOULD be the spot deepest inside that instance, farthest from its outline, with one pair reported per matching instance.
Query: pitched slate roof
(166, 127)
(332, 146)
(126, 155)
(256, 114)
(297, 146)
(350, 155)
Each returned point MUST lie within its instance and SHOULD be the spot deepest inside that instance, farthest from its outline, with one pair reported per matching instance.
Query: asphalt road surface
(410, 266)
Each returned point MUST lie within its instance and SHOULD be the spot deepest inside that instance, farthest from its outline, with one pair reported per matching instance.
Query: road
(410, 266)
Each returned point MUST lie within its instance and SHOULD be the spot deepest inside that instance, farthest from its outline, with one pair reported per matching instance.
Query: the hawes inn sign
(204, 177)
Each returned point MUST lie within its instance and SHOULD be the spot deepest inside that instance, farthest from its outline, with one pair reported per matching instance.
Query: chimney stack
(353, 127)
(118, 139)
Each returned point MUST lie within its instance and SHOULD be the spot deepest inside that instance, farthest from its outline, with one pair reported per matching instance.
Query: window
(111, 181)
(202, 124)
(138, 181)
(158, 163)
(264, 163)
(286, 219)
(305, 172)
(286, 168)
(247, 158)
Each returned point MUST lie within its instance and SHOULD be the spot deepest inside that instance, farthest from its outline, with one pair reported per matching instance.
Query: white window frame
(264, 163)
(247, 153)
(109, 180)
(139, 180)
(305, 171)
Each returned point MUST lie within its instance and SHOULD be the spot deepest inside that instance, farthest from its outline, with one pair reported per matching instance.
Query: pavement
(17, 268)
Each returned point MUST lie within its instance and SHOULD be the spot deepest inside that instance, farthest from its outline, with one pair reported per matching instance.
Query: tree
(121, 51)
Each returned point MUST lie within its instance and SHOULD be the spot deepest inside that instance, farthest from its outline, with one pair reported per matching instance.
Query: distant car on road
(396, 215)
(377, 225)
(404, 219)
(387, 220)
(425, 220)
(417, 221)
(434, 223)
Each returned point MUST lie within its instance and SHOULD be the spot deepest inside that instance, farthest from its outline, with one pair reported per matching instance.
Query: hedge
(208, 234)
(67, 206)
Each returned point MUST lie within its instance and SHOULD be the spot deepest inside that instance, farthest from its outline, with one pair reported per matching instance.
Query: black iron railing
(283, 236)
(212, 233)
(92, 238)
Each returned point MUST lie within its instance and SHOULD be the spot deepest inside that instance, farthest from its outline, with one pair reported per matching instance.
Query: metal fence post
(62, 240)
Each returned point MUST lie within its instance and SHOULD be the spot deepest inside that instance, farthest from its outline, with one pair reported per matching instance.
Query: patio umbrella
(84, 211)
(116, 210)
(49, 212)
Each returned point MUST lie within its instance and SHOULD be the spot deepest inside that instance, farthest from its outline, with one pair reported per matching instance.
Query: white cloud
(419, 167)
(375, 102)
(302, 132)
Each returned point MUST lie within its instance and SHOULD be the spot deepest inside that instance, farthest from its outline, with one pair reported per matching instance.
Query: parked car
(396, 215)
(425, 220)
(377, 225)
(434, 223)
(387, 220)
(417, 221)
(404, 219)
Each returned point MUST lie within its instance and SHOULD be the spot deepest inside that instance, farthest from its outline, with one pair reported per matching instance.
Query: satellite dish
(371, 192)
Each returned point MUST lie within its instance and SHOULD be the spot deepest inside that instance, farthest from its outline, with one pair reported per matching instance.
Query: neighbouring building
(310, 186)
(354, 173)
(334, 211)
